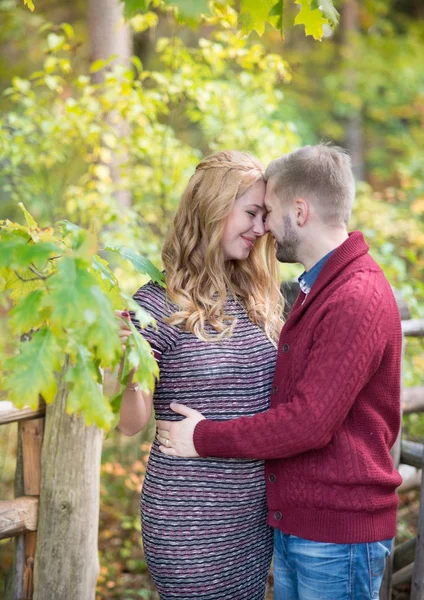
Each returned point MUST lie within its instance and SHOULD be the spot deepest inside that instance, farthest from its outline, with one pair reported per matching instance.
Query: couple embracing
(273, 439)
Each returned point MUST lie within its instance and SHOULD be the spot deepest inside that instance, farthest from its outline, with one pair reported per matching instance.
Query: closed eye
(252, 214)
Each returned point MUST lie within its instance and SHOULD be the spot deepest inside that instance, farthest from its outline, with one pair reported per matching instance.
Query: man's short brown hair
(321, 174)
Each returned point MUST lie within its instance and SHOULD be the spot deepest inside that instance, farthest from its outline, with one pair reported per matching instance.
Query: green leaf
(141, 264)
(85, 391)
(276, 17)
(103, 333)
(69, 30)
(71, 296)
(32, 371)
(139, 356)
(30, 5)
(254, 14)
(142, 316)
(137, 64)
(99, 64)
(329, 11)
(18, 253)
(18, 289)
(101, 266)
(30, 221)
(28, 313)
(191, 9)
(83, 242)
(132, 7)
(312, 19)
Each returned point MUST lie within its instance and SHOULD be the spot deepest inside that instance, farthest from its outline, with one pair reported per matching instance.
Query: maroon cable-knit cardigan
(335, 408)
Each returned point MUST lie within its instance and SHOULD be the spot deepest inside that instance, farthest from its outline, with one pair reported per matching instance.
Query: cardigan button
(285, 348)
(274, 389)
(278, 516)
(272, 478)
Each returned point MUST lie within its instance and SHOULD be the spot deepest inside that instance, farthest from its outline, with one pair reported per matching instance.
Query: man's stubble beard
(287, 247)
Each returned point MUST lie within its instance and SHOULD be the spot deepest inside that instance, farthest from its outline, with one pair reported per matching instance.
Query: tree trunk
(66, 560)
(109, 35)
(354, 127)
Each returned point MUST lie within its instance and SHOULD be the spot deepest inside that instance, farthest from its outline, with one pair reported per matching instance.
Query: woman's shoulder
(152, 296)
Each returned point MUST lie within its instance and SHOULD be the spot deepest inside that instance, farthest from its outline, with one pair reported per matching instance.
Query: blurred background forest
(110, 144)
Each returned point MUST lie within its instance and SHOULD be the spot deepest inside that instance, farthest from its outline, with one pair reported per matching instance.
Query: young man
(335, 399)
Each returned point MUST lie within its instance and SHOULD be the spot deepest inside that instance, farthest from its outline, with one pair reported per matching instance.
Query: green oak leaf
(141, 264)
(103, 333)
(28, 313)
(19, 253)
(142, 316)
(312, 19)
(276, 17)
(102, 267)
(70, 295)
(19, 289)
(139, 356)
(254, 14)
(85, 391)
(32, 371)
(30, 221)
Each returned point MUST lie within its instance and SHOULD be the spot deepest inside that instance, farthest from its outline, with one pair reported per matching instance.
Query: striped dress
(204, 525)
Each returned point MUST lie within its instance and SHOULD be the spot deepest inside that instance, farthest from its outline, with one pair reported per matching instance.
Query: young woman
(218, 320)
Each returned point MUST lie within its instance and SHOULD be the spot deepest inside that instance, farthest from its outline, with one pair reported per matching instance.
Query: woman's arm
(136, 410)
(136, 406)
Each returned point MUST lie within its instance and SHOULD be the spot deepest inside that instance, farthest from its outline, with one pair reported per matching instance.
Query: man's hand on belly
(176, 437)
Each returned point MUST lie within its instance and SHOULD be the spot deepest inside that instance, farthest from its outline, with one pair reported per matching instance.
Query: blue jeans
(306, 570)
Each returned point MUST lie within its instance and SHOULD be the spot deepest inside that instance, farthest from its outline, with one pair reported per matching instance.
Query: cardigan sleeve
(347, 347)
(162, 337)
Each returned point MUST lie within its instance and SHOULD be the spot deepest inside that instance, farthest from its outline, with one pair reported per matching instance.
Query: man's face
(280, 223)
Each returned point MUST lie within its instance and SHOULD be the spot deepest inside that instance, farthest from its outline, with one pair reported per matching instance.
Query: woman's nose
(259, 226)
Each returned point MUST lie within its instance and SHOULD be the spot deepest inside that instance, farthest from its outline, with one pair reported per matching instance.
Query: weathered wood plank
(417, 586)
(412, 453)
(403, 555)
(402, 576)
(32, 440)
(413, 328)
(413, 399)
(30, 545)
(18, 516)
(11, 414)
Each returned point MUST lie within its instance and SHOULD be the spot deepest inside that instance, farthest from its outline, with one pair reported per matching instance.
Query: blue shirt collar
(308, 278)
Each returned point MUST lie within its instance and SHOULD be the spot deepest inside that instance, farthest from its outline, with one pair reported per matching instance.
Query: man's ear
(301, 211)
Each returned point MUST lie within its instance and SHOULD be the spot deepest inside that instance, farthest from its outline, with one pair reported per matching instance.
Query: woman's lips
(248, 241)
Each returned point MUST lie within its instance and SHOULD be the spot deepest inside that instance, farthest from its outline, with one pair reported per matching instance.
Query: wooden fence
(18, 517)
(407, 561)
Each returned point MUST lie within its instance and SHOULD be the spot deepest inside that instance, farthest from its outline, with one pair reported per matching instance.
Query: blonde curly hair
(198, 279)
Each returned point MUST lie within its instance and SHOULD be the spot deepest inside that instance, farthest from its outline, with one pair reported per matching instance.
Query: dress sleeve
(163, 337)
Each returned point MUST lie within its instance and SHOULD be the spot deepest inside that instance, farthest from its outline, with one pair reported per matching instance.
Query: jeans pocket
(377, 554)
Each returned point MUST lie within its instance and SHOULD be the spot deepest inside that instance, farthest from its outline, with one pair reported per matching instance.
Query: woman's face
(245, 223)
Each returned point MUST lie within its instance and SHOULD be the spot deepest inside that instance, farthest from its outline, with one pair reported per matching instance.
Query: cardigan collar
(351, 249)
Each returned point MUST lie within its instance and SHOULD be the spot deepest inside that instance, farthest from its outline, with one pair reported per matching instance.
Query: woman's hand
(124, 332)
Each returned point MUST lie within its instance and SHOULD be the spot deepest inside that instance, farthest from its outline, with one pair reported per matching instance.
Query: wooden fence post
(417, 587)
(66, 562)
